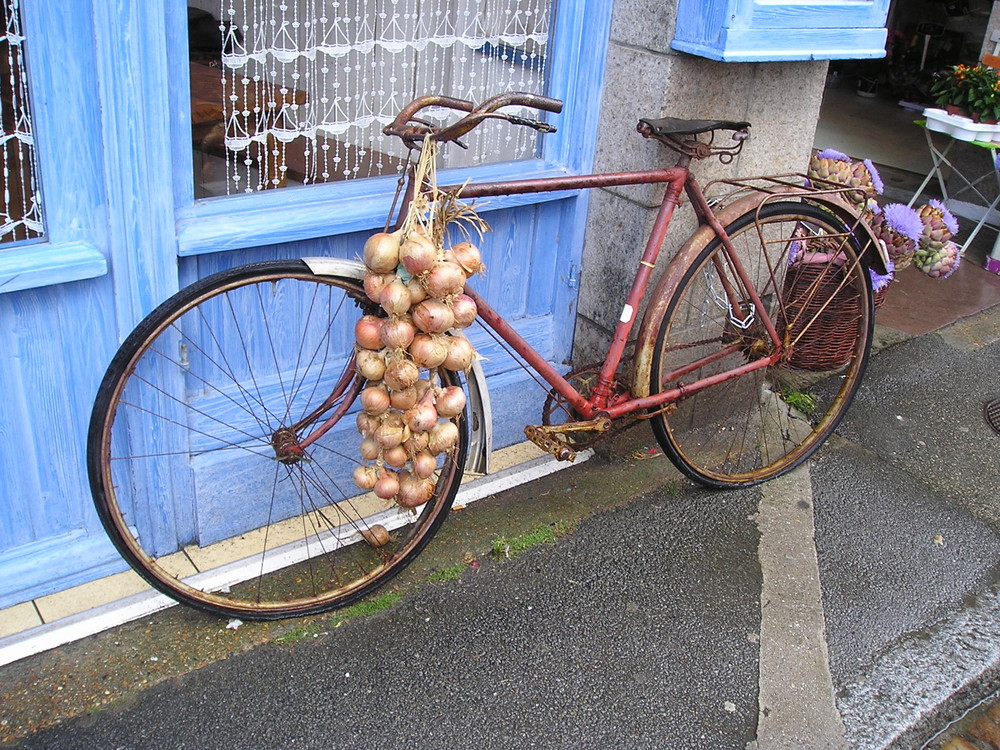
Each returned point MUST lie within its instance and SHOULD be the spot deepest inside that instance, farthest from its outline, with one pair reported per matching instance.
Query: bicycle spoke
(211, 472)
(752, 426)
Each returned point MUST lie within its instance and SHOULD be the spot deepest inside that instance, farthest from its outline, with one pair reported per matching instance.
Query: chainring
(555, 410)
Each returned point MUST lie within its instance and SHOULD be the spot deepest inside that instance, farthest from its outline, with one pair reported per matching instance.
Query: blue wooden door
(125, 230)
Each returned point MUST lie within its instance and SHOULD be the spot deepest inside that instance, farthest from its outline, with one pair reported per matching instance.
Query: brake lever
(539, 125)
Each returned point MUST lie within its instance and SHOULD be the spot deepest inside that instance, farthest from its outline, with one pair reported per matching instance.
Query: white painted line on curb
(93, 621)
(796, 700)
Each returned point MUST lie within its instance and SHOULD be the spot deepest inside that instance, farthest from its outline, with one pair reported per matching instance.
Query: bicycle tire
(191, 407)
(762, 424)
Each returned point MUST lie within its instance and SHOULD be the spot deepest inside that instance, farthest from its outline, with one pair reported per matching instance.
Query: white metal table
(939, 158)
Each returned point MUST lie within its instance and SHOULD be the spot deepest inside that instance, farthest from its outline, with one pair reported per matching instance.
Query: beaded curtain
(20, 208)
(309, 84)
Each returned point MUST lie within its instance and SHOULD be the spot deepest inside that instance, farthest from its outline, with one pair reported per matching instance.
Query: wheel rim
(765, 422)
(209, 410)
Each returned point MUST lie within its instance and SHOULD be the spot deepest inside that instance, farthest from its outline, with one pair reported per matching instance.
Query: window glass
(296, 92)
(20, 201)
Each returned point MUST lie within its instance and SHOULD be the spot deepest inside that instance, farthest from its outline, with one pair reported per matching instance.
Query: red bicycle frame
(603, 401)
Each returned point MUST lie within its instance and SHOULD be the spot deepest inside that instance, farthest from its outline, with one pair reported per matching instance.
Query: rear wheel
(196, 459)
(805, 266)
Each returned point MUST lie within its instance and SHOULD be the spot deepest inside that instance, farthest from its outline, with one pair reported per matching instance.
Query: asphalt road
(642, 626)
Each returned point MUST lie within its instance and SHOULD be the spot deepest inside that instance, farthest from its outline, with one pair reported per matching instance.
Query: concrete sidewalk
(853, 603)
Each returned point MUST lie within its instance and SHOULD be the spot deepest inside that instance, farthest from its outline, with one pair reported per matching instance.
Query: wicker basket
(833, 334)
(879, 296)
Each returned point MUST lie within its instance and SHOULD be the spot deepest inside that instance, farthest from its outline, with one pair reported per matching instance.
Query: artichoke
(939, 225)
(833, 166)
(899, 228)
(938, 262)
(830, 170)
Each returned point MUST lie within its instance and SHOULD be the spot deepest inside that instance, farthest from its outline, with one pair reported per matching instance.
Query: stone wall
(645, 78)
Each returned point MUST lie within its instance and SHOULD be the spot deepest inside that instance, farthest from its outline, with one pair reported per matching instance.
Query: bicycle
(245, 383)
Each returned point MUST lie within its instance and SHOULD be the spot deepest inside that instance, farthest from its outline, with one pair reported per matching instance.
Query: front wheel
(195, 456)
(806, 268)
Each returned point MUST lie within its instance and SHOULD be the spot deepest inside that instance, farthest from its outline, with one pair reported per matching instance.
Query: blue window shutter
(769, 30)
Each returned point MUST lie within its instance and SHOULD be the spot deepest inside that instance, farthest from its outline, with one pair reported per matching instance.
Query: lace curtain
(308, 84)
(20, 207)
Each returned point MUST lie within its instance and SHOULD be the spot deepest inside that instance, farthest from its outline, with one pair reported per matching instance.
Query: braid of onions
(408, 417)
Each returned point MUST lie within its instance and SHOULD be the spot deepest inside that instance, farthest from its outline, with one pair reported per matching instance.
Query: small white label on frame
(626, 314)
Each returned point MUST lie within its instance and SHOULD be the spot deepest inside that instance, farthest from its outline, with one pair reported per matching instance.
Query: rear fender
(873, 251)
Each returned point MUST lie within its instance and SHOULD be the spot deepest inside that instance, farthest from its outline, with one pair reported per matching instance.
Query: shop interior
(869, 111)
(869, 106)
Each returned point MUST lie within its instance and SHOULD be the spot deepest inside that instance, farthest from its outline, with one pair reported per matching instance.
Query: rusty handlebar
(412, 130)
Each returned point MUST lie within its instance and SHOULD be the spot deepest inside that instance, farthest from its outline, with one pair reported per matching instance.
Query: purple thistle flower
(794, 250)
(881, 281)
(829, 153)
(946, 216)
(904, 221)
(876, 177)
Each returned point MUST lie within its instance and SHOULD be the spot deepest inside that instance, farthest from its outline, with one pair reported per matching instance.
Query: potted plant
(948, 90)
(984, 94)
(969, 90)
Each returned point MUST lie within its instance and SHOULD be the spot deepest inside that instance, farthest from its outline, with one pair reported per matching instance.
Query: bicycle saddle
(675, 126)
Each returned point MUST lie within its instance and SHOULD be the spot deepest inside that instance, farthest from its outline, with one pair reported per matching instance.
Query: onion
(376, 536)
(367, 330)
(422, 387)
(460, 354)
(463, 307)
(396, 333)
(433, 316)
(381, 252)
(367, 424)
(422, 417)
(366, 477)
(428, 350)
(417, 442)
(404, 398)
(417, 292)
(370, 449)
(390, 435)
(387, 485)
(468, 257)
(375, 400)
(414, 491)
(375, 283)
(450, 401)
(444, 280)
(401, 374)
(371, 364)
(396, 456)
(395, 297)
(443, 437)
(424, 464)
(417, 254)
(394, 418)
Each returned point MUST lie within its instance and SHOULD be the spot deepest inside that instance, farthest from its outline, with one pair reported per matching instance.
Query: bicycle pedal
(544, 439)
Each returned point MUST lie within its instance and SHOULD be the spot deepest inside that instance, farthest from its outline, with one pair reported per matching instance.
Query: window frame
(781, 30)
(70, 179)
(580, 30)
